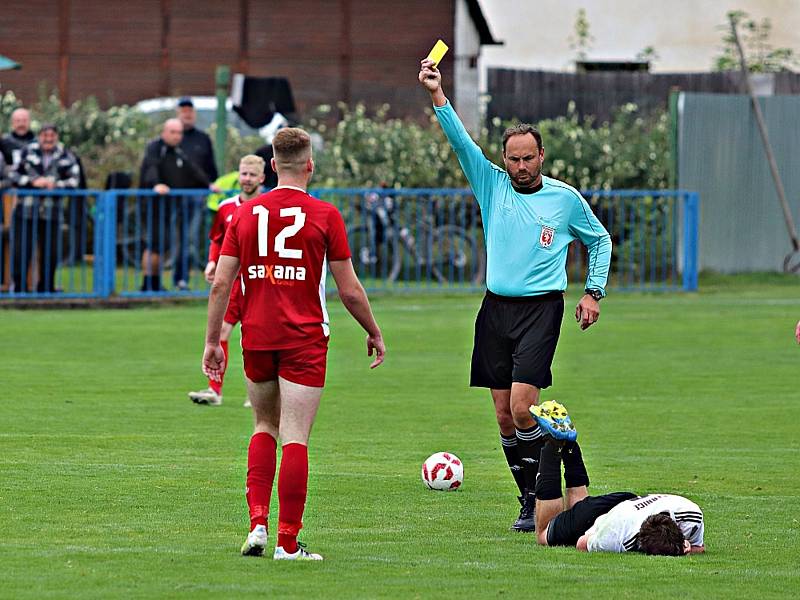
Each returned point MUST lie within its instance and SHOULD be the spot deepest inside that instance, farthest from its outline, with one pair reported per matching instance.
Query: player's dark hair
(522, 129)
(660, 535)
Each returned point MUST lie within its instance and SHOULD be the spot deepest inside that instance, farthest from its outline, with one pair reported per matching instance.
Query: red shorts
(304, 365)
(234, 313)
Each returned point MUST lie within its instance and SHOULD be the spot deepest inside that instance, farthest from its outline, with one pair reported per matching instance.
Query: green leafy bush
(366, 149)
(629, 152)
(363, 149)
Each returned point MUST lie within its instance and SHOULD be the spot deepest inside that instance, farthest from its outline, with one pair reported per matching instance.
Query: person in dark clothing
(11, 146)
(20, 136)
(44, 165)
(166, 166)
(195, 143)
(270, 176)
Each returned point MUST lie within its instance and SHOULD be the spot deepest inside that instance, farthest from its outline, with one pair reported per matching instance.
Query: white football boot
(301, 554)
(256, 542)
(206, 396)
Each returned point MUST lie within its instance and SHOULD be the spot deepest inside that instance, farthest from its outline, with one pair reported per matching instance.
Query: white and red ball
(443, 471)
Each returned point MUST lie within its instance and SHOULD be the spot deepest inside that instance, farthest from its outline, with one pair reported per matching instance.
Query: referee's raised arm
(431, 79)
(480, 172)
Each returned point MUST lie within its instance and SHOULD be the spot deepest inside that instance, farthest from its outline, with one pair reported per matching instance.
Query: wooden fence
(534, 95)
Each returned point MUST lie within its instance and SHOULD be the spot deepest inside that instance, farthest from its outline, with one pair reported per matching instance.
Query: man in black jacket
(166, 166)
(20, 136)
(195, 143)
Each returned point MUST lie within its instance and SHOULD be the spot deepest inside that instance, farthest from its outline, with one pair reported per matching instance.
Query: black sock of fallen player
(509, 443)
(575, 474)
(548, 484)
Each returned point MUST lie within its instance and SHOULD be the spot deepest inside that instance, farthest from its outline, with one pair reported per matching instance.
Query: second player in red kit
(251, 176)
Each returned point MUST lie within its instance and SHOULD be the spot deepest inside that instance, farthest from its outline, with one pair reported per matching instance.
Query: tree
(760, 55)
(581, 40)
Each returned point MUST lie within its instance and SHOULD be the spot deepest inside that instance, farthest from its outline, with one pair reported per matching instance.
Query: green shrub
(362, 149)
(366, 149)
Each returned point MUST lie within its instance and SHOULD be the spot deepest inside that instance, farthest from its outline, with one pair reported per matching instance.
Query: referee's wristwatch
(596, 294)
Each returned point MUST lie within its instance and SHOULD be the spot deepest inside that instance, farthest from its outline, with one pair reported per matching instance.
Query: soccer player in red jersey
(251, 176)
(279, 244)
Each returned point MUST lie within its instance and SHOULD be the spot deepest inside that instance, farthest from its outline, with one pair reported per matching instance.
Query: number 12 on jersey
(284, 234)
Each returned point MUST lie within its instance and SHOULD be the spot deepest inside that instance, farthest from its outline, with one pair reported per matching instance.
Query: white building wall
(467, 74)
(684, 33)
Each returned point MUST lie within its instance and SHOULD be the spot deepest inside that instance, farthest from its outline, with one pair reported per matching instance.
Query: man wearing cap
(43, 165)
(195, 143)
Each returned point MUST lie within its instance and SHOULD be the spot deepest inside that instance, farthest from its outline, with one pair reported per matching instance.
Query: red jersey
(222, 219)
(283, 239)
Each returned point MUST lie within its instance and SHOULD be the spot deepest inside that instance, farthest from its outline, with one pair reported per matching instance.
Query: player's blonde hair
(251, 160)
(292, 148)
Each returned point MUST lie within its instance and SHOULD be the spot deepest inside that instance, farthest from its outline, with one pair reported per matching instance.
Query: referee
(529, 221)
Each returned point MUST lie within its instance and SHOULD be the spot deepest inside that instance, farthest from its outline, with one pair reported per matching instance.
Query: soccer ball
(442, 471)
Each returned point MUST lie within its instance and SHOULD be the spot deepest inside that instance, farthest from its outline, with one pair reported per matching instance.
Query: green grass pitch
(112, 484)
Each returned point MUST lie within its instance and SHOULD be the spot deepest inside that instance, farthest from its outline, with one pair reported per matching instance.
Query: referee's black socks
(511, 450)
(529, 447)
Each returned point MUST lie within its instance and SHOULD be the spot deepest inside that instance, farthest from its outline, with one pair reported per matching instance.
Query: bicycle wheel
(371, 259)
(455, 256)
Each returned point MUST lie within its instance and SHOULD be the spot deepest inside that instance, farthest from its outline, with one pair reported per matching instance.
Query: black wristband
(596, 294)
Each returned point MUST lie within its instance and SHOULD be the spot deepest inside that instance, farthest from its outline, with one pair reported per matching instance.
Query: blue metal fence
(97, 244)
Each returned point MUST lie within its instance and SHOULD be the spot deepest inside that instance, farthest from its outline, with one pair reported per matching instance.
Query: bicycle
(446, 253)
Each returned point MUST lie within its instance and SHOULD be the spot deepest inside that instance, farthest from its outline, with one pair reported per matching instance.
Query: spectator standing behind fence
(20, 136)
(195, 143)
(45, 165)
(164, 167)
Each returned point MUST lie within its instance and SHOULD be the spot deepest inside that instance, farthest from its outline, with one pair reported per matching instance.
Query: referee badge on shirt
(546, 237)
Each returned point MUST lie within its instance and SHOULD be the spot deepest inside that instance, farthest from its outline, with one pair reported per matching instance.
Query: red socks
(261, 459)
(217, 385)
(292, 488)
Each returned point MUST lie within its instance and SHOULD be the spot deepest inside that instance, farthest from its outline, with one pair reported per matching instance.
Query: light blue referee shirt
(527, 235)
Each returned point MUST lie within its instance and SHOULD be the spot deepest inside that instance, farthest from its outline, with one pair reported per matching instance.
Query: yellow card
(438, 52)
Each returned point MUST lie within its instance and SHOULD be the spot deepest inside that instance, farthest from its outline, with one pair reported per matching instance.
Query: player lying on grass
(663, 524)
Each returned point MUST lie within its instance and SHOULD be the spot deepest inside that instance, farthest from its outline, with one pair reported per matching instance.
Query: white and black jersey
(618, 529)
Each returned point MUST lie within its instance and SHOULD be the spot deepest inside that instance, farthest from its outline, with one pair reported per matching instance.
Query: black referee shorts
(571, 524)
(515, 340)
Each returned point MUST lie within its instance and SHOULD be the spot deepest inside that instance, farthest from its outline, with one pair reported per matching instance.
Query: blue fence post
(105, 242)
(691, 205)
(99, 250)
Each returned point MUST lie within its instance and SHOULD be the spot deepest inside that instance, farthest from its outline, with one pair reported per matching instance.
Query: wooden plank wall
(124, 51)
(535, 95)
